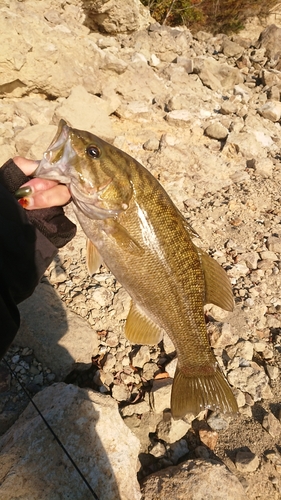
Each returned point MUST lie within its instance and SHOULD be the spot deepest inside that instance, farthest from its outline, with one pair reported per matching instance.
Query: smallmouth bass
(135, 228)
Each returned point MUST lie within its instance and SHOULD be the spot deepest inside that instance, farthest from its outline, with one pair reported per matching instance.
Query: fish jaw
(57, 158)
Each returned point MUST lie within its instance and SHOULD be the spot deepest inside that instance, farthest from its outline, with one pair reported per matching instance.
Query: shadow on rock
(59, 337)
(33, 465)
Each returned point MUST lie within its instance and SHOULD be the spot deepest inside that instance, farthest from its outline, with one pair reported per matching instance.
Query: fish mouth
(56, 159)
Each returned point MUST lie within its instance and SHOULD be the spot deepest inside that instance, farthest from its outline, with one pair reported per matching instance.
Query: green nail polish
(23, 191)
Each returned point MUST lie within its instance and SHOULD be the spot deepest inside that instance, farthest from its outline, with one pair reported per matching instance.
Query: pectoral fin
(218, 289)
(122, 238)
(140, 329)
(93, 258)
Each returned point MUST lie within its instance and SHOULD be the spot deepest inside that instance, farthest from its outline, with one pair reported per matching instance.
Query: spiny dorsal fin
(218, 289)
(139, 329)
(93, 258)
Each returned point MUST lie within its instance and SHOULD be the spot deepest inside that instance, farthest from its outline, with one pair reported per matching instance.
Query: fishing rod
(13, 373)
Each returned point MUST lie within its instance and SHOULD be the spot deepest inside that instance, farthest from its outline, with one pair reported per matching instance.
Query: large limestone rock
(37, 56)
(118, 16)
(270, 39)
(194, 480)
(215, 75)
(33, 465)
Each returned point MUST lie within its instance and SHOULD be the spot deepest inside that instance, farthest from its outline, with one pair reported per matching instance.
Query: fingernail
(23, 191)
(26, 202)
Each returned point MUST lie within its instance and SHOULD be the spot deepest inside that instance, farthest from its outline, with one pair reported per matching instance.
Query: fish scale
(135, 228)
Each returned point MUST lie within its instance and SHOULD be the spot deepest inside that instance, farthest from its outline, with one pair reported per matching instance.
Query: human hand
(40, 193)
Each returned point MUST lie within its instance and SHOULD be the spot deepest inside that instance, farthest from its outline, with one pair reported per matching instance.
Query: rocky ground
(202, 113)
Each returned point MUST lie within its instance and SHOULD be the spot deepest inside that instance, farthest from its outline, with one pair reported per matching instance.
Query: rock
(251, 259)
(272, 425)
(158, 450)
(82, 419)
(274, 244)
(141, 357)
(186, 63)
(264, 167)
(58, 337)
(247, 144)
(120, 392)
(7, 151)
(215, 75)
(86, 112)
(161, 393)
(201, 479)
(246, 461)
(171, 430)
(152, 144)
(242, 91)
(229, 107)
(244, 351)
(143, 427)
(267, 255)
(43, 63)
(270, 40)
(250, 379)
(33, 141)
(271, 110)
(222, 335)
(168, 344)
(216, 131)
(181, 117)
(218, 421)
(117, 17)
(171, 367)
(231, 49)
(209, 438)
(178, 450)
(272, 372)
(102, 296)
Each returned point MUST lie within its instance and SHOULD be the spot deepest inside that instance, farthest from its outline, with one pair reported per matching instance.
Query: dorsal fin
(218, 289)
(140, 329)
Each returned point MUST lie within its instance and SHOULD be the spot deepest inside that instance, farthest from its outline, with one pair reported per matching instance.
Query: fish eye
(93, 151)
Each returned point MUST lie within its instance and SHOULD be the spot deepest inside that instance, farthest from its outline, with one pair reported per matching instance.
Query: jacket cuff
(12, 177)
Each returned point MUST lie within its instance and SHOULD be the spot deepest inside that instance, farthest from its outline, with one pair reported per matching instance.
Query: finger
(37, 184)
(55, 196)
(27, 166)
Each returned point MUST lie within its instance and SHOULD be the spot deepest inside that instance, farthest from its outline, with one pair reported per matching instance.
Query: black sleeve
(28, 243)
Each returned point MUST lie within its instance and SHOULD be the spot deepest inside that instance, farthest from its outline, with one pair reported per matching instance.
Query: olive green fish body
(147, 244)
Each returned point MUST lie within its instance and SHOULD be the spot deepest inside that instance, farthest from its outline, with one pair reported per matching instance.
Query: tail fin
(194, 394)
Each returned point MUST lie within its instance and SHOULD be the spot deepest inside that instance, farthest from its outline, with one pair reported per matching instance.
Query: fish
(133, 226)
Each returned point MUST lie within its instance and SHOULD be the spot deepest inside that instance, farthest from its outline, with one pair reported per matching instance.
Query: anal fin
(140, 329)
(218, 290)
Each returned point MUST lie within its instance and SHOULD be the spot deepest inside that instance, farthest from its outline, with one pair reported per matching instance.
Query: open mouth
(56, 159)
